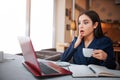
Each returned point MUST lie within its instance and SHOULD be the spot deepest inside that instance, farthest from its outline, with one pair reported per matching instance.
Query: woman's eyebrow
(86, 20)
(83, 20)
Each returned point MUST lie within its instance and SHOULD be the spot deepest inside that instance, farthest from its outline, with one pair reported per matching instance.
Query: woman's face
(86, 27)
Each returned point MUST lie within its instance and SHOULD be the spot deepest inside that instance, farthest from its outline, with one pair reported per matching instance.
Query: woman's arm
(68, 53)
(110, 61)
(105, 53)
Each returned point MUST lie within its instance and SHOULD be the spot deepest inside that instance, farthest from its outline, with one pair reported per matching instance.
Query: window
(42, 23)
(13, 24)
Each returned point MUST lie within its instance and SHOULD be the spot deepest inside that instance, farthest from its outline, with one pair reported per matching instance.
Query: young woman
(90, 36)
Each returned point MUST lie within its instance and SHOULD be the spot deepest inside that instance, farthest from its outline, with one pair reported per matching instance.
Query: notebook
(37, 67)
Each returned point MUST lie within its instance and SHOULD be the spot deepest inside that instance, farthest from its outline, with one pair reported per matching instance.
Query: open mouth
(81, 31)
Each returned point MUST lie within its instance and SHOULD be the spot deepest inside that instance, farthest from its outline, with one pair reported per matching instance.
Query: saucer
(63, 64)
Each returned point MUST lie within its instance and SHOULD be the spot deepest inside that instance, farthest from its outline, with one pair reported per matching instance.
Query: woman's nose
(80, 25)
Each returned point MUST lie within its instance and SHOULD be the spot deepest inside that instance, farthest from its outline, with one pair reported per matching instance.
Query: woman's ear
(95, 25)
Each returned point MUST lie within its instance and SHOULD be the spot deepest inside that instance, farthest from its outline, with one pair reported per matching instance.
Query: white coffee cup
(87, 52)
(1, 56)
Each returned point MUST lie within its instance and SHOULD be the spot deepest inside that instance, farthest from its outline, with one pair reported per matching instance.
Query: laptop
(38, 68)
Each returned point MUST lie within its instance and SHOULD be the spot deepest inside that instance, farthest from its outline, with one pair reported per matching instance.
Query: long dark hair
(95, 18)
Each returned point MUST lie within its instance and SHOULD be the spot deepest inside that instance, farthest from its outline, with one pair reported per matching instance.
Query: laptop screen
(28, 52)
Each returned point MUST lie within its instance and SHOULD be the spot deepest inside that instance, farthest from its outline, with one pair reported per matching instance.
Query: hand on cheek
(100, 54)
(79, 39)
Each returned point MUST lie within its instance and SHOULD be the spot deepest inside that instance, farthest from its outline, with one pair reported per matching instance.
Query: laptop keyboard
(47, 70)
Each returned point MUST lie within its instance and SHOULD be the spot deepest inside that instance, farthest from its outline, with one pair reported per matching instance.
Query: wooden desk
(117, 52)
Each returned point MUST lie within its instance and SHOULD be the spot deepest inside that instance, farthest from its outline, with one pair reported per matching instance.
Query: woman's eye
(85, 22)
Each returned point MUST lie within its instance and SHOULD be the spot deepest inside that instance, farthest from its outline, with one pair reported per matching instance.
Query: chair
(49, 54)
